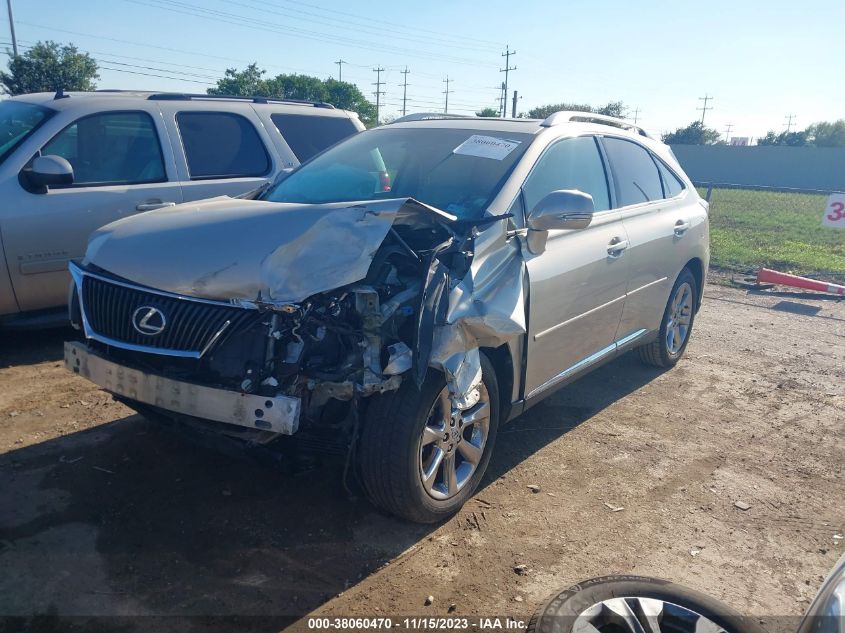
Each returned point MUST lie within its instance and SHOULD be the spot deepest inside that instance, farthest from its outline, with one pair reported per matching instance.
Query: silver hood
(231, 249)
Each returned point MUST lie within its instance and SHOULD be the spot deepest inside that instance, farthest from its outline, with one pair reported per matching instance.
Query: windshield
(456, 170)
(17, 121)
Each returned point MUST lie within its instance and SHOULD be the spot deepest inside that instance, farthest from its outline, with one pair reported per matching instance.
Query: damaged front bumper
(278, 414)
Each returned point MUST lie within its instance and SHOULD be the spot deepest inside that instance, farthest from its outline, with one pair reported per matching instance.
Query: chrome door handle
(617, 247)
(681, 227)
(151, 206)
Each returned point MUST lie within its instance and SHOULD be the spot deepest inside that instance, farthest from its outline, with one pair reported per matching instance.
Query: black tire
(559, 613)
(389, 445)
(657, 353)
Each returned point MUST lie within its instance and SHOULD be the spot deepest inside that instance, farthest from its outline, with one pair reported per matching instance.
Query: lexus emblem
(148, 320)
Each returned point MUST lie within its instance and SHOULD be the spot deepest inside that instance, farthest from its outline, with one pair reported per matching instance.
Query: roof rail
(568, 116)
(428, 116)
(186, 96)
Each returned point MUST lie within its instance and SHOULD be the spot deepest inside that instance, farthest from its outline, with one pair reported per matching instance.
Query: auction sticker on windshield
(486, 147)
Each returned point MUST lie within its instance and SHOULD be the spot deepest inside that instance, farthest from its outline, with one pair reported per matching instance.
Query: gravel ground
(110, 522)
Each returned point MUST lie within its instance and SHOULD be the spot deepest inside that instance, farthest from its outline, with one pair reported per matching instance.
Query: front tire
(676, 326)
(420, 460)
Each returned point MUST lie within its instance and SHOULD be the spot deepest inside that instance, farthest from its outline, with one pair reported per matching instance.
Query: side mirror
(48, 171)
(563, 209)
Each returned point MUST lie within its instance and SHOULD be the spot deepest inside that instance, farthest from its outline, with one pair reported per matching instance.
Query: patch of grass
(750, 229)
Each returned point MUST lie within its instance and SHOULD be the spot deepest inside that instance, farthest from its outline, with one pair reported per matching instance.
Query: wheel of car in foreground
(675, 329)
(419, 458)
(635, 604)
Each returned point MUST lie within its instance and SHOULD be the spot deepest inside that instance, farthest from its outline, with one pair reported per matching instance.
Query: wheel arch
(500, 358)
(696, 267)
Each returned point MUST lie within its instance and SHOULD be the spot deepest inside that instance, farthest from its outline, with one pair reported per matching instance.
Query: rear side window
(635, 174)
(221, 145)
(309, 135)
(573, 163)
(672, 185)
(110, 148)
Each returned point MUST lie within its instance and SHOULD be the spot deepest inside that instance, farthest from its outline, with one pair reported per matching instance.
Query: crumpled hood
(230, 249)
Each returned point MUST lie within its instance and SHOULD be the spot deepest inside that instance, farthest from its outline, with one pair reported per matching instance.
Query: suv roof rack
(187, 96)
(567, 116)
(428, 116)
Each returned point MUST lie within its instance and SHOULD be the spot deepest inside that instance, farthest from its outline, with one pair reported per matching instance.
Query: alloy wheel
(642, 615)
(680, 318)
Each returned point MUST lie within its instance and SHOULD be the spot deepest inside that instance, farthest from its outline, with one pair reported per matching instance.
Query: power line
(378, 93)
(507, 55)
(446, 92)
(704, 108)
(789, 118)
(405, 90)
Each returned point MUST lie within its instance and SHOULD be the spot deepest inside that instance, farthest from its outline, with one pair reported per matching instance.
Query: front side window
(221, 145)
(111, 148)
(308, 135)
(18, 121)
(455, 170)
(635, 174)
(573, 163)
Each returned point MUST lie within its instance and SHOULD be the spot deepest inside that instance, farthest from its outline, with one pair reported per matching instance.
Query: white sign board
(486, 147)
(834, 213)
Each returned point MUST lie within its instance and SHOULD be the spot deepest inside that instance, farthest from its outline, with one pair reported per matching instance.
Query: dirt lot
(105, 514)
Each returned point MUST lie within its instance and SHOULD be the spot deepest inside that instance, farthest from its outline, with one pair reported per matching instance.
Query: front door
(577, 285)
(119, 170)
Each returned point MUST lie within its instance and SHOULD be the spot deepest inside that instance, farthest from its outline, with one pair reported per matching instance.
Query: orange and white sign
(834, 213)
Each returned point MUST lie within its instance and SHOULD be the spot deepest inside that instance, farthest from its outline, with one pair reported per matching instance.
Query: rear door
(658, 216)
(120, 168)
(577, 285)
(220, 150)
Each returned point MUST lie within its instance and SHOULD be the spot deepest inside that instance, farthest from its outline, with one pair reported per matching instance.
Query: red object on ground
(766, 275)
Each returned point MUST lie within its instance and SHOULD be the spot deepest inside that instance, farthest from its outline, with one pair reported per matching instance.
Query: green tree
(48, 66)
(251, 82)
(613, 108)
(827, 133)
(695, 133)
(487, 112)
(794, 139)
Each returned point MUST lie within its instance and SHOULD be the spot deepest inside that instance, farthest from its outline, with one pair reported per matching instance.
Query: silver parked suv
(70, 163)
(402, 294)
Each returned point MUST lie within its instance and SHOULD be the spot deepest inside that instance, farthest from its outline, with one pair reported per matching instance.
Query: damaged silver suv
(403, 293)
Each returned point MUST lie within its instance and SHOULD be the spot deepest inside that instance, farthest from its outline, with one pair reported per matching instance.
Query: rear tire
(676, 326)
(392, 444)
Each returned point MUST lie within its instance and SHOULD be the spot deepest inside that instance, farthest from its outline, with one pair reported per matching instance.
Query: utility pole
(513, 108)
(378, 93)
(636, 115)
(789, 118)
(340, 64)
(502, 99)
(404, 89)
(446, 92)
(12, 28)
(507, 55)
(728, 129)
(704, 108)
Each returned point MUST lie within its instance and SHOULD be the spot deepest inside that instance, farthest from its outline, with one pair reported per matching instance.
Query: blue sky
(760, 61)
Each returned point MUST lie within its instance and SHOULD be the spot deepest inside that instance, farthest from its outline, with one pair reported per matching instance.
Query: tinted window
(634, 172)
(456, 170)
(672, 185)
(573, 163)
(308, 135)
(111, 148)
(17, 121)
(221, 145)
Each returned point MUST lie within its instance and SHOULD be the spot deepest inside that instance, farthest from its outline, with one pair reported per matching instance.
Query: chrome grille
(191, 325)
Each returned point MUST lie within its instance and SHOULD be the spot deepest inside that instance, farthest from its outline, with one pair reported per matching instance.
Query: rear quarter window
(221, 145)
(308, 135)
